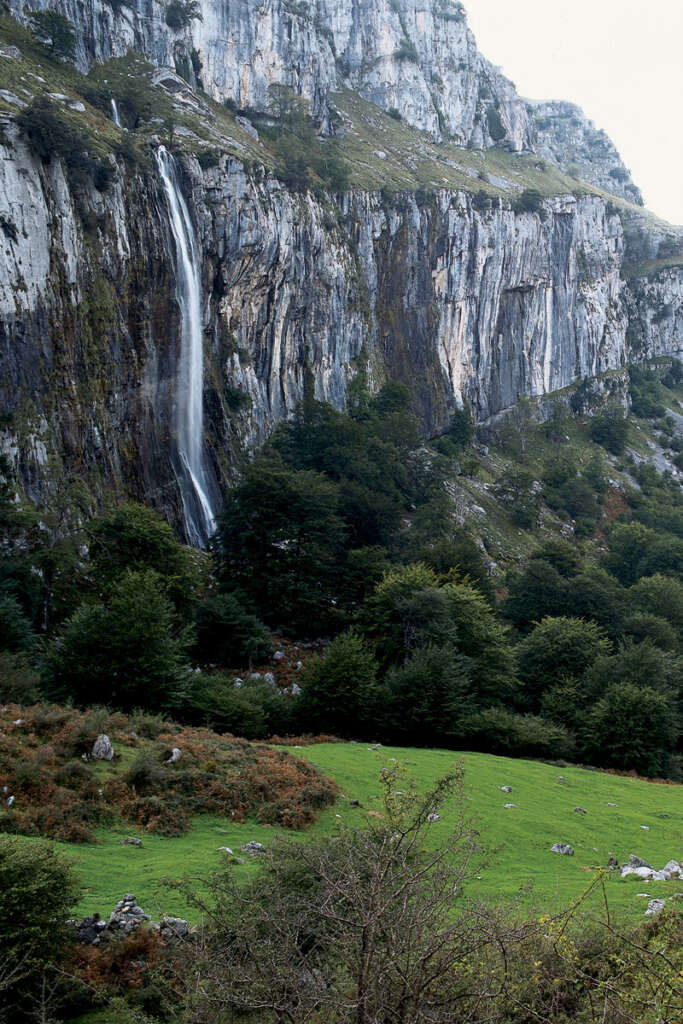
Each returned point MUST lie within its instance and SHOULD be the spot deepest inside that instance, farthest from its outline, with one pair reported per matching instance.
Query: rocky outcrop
(417, 58)
(567, 137)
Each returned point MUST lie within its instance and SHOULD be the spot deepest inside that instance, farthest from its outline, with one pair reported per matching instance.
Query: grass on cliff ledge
(521, 864)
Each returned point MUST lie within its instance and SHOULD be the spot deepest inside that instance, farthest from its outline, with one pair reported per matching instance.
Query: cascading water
(115, 113)
(194, 486)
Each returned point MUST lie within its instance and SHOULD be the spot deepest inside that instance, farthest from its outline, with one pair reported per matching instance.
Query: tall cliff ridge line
(471, 274)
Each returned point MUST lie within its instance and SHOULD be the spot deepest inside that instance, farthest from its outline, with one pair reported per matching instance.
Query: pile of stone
(126, 917)
(639, 868)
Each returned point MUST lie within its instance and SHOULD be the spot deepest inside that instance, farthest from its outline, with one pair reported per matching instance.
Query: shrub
(502, 732)
(611, 432)
(56, 33)
(254, 709)
(37, 891)
(632, 727)
(406, 50)
(181, 13)
(19, 683)
(530, 201)
(495, 125)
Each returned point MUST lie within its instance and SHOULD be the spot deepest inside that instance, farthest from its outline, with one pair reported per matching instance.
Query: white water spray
(115, 113)
(200, 519)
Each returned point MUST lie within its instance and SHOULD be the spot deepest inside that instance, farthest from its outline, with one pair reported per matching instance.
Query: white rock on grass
(102, 748)
(655, 907)
(564, 848)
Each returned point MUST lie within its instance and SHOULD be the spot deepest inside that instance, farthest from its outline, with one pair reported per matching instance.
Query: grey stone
(564, 848)
(174, 927)
(510, 805)
(130, 841)
(10, 801)
(655, 907)
(506, 789)
(580, 810)
(176, 755)
(433, 817)
(102, 748)
(254, 848)
(638, 862)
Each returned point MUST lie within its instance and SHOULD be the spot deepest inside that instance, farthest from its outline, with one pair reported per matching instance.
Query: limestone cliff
(478, 276)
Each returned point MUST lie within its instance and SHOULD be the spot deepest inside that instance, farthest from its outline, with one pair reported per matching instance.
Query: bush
(530, 201)
(181, 13)
(37, 891)
(406, 50)
(632, 727)
(56, 33)
(611, 432)
(19, 683)
(495, 125)
(498, 731)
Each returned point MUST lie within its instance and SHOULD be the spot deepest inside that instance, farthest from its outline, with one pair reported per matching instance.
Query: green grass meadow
(518, 839)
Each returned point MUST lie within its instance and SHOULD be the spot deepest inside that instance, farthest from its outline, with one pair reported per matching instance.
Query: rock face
(569, 139)
(418, 58)
(463, 301)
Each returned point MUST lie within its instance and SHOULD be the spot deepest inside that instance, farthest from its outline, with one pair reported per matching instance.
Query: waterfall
(200, 519)
(115, 113)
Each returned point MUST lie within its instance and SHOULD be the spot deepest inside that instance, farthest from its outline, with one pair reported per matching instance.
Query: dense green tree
(280, 539)
(16, 633)
(557, 649)
(629, 544)
(632, 727)
(429, 697)
(340, 691)
(594, 594)
(537, 592)
(642, 626)
(122, 652)
(228, 633)
(639, 664)
(483, 639)
(659, 595)
(135, 538)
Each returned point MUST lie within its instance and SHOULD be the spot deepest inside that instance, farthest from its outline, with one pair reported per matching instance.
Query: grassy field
(519, 839)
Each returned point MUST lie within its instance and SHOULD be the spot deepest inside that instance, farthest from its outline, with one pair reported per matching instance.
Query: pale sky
(621, 60)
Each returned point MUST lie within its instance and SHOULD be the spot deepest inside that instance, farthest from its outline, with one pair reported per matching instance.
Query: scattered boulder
(102, 748)
(433, 817)
(655, 907)
(506, 789)
(225, 849)
(580, 810)
(176, 754)
(278, 656)
(611, 805)
(509, 806)
(254, 849)
(638, 862)
(296, 690)
(645, 828)
(9, 801)
(354, 803)
(564, 848)
(130, 841)
(173, 928)
(674, 868)
(561, 778)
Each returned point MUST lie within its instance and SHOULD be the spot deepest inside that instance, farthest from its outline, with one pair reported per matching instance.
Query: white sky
(621, 60)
